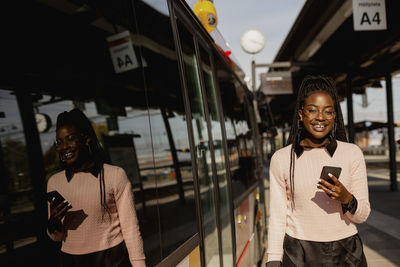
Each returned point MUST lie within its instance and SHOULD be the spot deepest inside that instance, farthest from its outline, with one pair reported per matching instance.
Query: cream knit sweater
(315, 216)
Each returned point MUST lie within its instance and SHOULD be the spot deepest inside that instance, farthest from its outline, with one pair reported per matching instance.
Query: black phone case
(330, 169)
(58, 198)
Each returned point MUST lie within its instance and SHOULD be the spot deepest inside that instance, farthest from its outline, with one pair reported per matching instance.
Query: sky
(273, 18)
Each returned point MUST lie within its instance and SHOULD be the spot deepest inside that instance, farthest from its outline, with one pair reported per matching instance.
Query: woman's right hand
(57, 213)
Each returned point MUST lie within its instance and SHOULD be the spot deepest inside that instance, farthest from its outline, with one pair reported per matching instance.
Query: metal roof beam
(330, 27)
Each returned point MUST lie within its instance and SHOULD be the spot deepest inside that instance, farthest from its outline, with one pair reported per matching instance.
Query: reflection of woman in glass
(312, 222)
(97, 223)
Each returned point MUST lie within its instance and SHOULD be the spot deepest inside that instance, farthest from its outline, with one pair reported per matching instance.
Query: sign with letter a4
(369, 15)
(122, 53)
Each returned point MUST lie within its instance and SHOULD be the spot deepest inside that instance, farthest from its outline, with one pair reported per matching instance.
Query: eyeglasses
(69, 141)
(313, 113)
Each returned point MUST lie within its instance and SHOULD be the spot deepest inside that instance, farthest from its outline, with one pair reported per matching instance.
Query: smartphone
(330, 169)
(56, 198)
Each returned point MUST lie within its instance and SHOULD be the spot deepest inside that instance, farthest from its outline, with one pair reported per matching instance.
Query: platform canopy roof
(322, 40)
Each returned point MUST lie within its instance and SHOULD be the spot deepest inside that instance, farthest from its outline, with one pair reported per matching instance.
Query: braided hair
(309, 85)
(94, 150)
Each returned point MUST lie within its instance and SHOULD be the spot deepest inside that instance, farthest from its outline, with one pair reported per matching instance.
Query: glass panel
(247, 155)
(241, 149)
(216, 132)
(116, 104)
(130, 110)
(16, 192)
(172, 176)
(17, 180)
(203, 159)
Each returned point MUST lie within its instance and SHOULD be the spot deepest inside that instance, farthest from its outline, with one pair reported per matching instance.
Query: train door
(202, 144)
(205, 113)
(221, 174)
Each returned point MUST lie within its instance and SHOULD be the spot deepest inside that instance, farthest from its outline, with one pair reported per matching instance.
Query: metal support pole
(35, 159)
(4, 195)
(253, 75)
(350, 116)
(255, 102)
(391, 141)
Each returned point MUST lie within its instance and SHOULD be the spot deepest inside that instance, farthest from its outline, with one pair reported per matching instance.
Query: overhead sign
(369, 15)
(276, 83)
(122, 53)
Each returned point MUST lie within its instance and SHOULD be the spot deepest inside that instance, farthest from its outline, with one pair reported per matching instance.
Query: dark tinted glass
(173, 188)
(138, 114)
(202, 145)
(241, 148)
(16, 190)
(219, 152)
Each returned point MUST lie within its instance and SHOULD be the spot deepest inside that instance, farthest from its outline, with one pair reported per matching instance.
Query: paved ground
(381, 232)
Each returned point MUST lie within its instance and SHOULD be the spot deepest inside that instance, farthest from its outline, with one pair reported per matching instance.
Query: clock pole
(253, 74)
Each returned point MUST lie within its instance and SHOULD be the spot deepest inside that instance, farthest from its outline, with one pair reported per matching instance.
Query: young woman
(312, 222)
(97, 222)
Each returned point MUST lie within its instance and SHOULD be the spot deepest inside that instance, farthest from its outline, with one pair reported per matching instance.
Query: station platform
(381, 232)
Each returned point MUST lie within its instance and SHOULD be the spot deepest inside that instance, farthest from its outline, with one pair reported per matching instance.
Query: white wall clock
(252, 41)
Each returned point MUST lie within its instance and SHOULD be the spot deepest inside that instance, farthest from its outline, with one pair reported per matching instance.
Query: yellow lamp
(207, 14)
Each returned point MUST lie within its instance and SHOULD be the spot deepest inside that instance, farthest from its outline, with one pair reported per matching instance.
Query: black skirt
(116, 256)
(345, 252)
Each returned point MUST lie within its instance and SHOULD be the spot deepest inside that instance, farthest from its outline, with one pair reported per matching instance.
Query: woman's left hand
(337, 191)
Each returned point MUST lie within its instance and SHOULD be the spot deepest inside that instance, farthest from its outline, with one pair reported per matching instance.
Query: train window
(129, 123)
(172, 172)
(201, 141)
(16, 192)
(224, 197)
(242, 154)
